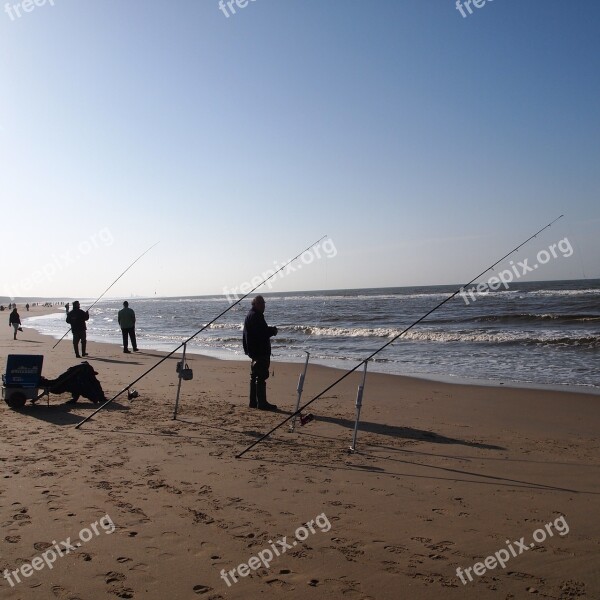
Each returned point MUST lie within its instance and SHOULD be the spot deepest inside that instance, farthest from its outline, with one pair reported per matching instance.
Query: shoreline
(430, 377)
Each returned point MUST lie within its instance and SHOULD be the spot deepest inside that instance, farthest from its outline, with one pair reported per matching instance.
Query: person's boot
(76, 347)
(261, 396)
(252, 403)
(83, 352)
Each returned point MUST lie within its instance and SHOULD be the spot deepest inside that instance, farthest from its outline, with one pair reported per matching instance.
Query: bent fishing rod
(391, 341)
(162, 360)
(106, 290)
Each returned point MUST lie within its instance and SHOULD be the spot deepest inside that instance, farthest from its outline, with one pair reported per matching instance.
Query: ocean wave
(232, 326)
(342, 331)
(428, 335)
(523, 318)
(584, 292)
(504, 337)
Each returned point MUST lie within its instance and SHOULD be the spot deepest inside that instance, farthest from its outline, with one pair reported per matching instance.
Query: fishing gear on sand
(183, 344)
(391, 341)
(106, 290)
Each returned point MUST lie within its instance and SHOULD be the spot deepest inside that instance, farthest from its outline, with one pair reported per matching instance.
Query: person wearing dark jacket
(126, 319)
(14, 321)
(76, 318)
(257, 345)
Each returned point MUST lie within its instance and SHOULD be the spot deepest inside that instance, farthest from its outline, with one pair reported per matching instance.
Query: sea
(544, 333)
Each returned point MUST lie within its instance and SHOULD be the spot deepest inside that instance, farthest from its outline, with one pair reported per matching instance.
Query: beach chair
(22, 379)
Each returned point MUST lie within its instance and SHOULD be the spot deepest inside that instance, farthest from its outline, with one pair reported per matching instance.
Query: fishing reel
(307, 418)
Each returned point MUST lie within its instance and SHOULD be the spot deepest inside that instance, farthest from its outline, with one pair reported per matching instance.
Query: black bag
(79, 381)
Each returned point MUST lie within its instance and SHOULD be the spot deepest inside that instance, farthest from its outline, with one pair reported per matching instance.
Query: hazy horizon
(69, 299)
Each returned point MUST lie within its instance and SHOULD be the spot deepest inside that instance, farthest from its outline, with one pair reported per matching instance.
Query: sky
(425, 144)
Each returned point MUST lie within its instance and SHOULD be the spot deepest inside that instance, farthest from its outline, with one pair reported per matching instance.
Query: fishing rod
(162, 360)
(391, 341)
(106, 290)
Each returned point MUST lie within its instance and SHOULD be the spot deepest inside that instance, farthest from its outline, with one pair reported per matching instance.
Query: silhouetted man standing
(126, 320)
(257, 345)
(76, 319)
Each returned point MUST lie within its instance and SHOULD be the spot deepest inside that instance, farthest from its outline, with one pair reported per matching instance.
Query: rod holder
(180, 377)
(359, 397)
(299, 390)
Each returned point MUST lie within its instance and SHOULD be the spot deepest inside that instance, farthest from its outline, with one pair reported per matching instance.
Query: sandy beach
(445, 475)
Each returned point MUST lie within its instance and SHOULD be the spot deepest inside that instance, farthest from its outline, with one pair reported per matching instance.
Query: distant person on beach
(14, 321)
(27, 307)
(257, 345)
(67, 307)
(76, 319)
(126, 318)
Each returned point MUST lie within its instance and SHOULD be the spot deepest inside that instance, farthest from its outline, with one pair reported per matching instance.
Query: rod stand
(299, 389)
(180, 377)
(359, 397)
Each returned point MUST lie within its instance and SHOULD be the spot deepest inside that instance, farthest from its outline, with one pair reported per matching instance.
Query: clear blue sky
(423, 143)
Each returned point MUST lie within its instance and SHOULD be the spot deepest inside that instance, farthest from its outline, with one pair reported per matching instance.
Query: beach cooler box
(21, 380)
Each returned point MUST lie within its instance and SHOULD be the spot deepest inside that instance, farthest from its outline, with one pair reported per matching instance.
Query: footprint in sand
(572, 589)
(391, 566)
(200, 517)
(351, 551)
(442, 546)
(41, 546)
(201, 589)
(62, 594)
(84, 556)
(122, 592)
(113, 576)
(397, 549)
(280, 584)
(13, 539)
